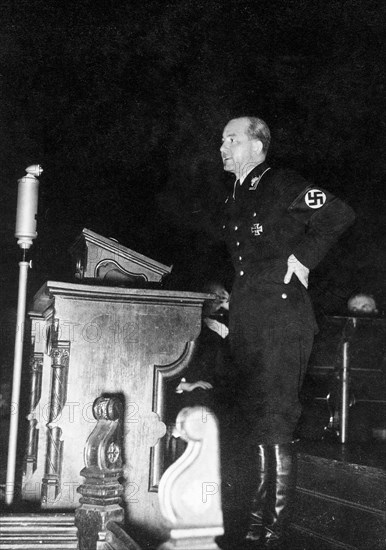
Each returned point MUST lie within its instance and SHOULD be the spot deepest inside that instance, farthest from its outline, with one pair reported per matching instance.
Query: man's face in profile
(221, 301)
(362, 305)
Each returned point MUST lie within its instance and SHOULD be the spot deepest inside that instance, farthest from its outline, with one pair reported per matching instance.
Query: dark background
(123, 104)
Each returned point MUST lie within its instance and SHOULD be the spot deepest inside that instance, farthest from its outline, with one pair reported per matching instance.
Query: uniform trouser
(271, 336)
(271, 331)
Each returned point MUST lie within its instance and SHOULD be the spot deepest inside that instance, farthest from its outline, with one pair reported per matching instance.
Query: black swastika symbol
(315, 198)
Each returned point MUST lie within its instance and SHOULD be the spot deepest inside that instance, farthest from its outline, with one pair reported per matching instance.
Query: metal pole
(345, 394)
(17, 367)
(25, 232)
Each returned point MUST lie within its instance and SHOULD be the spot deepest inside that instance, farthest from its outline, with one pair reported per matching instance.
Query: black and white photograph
(193, 275)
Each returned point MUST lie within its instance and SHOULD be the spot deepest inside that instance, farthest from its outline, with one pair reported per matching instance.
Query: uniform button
(284, 296)
(238, 243)
(241, 273)
(236, 227)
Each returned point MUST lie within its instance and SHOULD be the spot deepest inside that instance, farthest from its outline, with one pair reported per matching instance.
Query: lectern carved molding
(163, 373)
(36, 369)
(101, 491)
(60, 360)
(99, 258)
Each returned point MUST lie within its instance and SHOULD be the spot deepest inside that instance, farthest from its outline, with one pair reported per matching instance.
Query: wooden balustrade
(101, 491)
(189, 491)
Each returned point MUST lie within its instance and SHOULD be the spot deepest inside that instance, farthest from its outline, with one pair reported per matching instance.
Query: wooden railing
(189, 493)
(101, 491)
(189, 490)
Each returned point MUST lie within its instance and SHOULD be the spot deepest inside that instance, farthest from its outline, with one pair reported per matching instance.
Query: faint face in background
(362, 304)
(221, 301)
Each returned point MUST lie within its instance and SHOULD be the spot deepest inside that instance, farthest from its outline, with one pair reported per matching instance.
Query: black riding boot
(255, 534)
(282, 465)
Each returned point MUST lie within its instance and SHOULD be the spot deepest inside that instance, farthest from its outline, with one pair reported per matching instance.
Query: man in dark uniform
(277, 227)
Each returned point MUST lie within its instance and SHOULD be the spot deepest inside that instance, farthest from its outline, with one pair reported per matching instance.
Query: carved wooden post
(189, 491)
(101, 491)
(36, 369)
(60, 360)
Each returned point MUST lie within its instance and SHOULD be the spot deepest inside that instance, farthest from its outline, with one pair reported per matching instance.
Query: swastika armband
(309, 201)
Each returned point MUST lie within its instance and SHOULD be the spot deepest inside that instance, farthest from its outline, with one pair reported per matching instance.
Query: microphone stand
(27, 203)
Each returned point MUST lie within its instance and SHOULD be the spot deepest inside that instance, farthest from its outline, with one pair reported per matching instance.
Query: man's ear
(257, 146)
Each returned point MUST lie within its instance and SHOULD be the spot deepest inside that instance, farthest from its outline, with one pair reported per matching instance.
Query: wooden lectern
(97, 258)
(92, 340)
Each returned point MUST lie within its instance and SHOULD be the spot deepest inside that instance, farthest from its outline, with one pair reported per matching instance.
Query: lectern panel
(103, 341)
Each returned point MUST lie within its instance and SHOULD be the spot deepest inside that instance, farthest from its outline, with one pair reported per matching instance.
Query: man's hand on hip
(300, 270)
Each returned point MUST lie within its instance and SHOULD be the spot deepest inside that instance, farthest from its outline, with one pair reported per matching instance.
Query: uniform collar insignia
(258, 173)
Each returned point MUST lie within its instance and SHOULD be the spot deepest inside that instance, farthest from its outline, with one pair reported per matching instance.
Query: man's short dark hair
(258, 129)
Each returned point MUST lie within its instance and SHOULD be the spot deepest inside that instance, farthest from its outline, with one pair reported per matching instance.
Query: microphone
(27, 206)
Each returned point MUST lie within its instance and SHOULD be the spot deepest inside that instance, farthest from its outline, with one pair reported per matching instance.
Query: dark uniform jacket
(275, 213)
